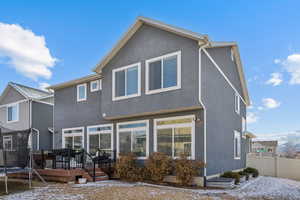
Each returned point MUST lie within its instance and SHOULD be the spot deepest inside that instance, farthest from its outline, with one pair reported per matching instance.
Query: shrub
(127, 169)
(252, 171)
(186, 169)
(236, 176)
(158, 165)
(242, 173)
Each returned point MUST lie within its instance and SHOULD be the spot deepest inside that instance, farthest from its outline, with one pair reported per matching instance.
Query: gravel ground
(260, 188)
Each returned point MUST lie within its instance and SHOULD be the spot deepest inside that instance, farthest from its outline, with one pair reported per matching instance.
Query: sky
(49, 42)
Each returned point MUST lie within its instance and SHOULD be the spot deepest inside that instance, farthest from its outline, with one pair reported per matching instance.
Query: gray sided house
(26, 117)
(164, 89)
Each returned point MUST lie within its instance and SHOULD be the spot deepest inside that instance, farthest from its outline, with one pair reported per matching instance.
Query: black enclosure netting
(18, 154)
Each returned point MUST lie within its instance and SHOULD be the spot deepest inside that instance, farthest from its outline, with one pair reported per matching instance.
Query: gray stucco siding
(221, 120)
(11, 96)
(149, 42)
(42, 119)
(222, 56)
(68, 113)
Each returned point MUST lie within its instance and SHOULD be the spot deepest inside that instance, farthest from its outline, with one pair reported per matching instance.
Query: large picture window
(133, 137)
(73, 138)
(100, 137)
(163, 73)
(127, 82)
(175, 136)
(237, 145)
(13, 113)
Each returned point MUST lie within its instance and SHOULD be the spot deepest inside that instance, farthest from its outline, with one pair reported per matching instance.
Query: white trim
(72, 134)
(100, 84)
(244, 126)
(21, 101)
(91, 85)
(130, 129)
(4, 140)
(222, 73)
(85, 86)
(238, 136)
(43, 102)
(98, 133)
(204, 108)
(114, 98)
(237, 103)
(178, 86)
(192, 125)
(18, 112)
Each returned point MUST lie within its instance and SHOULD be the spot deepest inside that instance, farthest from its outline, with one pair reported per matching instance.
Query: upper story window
(163, 73)
(126, 82)
(81, 92)
(237, 145)
(237, 103)
(95, 85)
(244, 128)
(13, 113)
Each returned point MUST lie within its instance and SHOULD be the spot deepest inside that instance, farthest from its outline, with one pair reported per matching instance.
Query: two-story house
(26, 117)
(160, 89)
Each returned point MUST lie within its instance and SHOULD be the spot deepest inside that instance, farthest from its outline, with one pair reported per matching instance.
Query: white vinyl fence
(275, 166)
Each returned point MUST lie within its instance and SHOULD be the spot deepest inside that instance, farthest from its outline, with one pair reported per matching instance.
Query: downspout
(202, 46)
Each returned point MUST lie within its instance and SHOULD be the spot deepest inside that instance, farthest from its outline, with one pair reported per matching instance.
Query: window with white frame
(127, 82)
(95, 85)
(237, 103)
(13, 113)
(73, 138)
(163, 73)
(237, 145)
(244, 125)
(7, 143)
(175, 136)
(81, 92)
(100, 137)
(133, 137)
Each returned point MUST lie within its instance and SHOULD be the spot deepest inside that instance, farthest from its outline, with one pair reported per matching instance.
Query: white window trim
(237, 103)
(11, 105)
(84, 99)
(37, 138)
(244, 125)
(100, 84)
(178, 86)
(72, 134)
(114, 98)
(192, 125)
(235, 136)
(129, 129)
(91, 85)
(9, 139)
(98, 133)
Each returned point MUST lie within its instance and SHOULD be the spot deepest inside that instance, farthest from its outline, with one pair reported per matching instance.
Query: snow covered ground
(259, 188)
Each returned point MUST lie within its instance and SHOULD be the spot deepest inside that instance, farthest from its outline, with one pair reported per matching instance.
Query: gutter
(201, 47)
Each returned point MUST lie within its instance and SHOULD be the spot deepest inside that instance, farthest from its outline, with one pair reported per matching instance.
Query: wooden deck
(64, 175)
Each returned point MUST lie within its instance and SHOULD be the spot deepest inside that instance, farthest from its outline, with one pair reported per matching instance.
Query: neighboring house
(161, 88)
(25, 113)
(265, 147)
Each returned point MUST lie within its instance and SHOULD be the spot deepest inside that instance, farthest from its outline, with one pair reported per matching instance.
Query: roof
(267, 143)
(201, 38)
(250, 135)
(7, 130)
(75, 81)
(29, 92)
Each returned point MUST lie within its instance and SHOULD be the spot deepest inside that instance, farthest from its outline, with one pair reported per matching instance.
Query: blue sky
(77, 34)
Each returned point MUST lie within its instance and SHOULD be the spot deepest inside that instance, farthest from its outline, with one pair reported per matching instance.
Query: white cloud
(270, 103)
(43, 86)
(25, 51)
(275, 80)
(292, 65)
(276, 61)
(252, 118)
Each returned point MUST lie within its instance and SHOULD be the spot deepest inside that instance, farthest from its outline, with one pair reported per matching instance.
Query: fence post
(276, 165)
